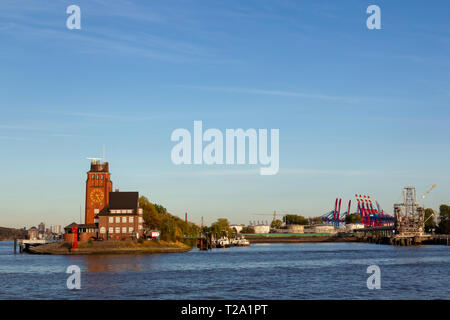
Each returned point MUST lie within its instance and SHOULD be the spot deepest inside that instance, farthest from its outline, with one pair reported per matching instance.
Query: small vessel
(243, 242)
(223, 242)
(240, 241)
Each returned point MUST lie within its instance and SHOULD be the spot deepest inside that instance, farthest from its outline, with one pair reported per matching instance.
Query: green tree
(315, 220)
(220, 226)
(276, 224)
(444, 217)
(248, 230)
(172, 227)
(429, 219)
(353, 218)
(295, 219)
(152, 218)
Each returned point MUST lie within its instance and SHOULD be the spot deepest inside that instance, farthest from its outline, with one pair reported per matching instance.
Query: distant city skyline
(358, 111)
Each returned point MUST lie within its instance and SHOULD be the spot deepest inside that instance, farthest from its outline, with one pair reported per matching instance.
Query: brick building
(122, 218)
(108, 215)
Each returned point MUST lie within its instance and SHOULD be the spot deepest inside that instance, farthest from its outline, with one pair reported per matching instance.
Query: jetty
(25, 244)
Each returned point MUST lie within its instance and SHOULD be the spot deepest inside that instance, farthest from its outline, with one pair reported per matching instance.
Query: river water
(261, 271)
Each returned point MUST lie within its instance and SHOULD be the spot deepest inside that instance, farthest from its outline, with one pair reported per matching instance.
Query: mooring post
(15, 245)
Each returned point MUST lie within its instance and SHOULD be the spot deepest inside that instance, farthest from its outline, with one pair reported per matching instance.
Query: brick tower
(98, 187)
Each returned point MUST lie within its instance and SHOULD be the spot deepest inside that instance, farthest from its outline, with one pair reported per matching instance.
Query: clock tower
(98, 187)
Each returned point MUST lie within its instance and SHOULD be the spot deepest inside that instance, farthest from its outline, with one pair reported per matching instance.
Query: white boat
(223, 242)
(240, 241)
(243, 242)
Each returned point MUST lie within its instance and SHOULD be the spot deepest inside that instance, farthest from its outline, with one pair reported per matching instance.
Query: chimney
(185, 217)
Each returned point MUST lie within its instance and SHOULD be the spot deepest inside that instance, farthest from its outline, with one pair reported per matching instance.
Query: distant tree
(221, 226)
(152, 218)
(444, 217)
(353, 218)
(315, 220)
(295, 219)
(430, 222)
(172, 227)
(276, 224)
(248, 230)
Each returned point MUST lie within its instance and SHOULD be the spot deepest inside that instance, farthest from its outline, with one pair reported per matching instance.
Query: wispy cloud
(214, 172)
(40, 21)
(283, 93)
(326, 172)
(108, 116)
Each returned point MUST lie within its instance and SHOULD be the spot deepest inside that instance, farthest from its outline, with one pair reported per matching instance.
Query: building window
(140, 219)
(130, 230)
(124, 229)
(110, 219)
(96, 210)
(117, 219)
(140, 227)
(124, 219)
(93, 177)
(101, 177)
(102, 230)
(129, 211)
(131, 219)
(111, 230)
(117, 230)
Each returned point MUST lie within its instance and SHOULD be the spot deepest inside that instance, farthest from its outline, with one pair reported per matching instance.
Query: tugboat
(243, 242)
(223, 242)
(240, 241)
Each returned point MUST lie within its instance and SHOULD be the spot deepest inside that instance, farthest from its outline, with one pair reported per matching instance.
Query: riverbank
(298, 238)
(111, 247)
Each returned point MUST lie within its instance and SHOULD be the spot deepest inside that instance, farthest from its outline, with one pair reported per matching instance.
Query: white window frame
(124, 229)
(102, 230)
(131, 219)
(117, 219)
(124, 219)
(111, 219)
(111, 230)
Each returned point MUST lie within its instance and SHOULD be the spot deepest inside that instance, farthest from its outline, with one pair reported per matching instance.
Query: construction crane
(426, 193)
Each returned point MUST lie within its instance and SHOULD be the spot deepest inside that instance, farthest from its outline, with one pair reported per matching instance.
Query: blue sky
(359, 111)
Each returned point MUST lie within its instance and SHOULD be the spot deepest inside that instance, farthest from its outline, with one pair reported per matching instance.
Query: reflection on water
(269, 271)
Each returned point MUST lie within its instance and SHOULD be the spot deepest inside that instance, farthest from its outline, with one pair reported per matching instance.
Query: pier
(24, 244)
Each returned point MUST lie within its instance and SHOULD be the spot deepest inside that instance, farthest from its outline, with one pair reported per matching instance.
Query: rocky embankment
(111, 247)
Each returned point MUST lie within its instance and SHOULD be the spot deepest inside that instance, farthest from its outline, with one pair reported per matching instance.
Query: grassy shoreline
(112, 247)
